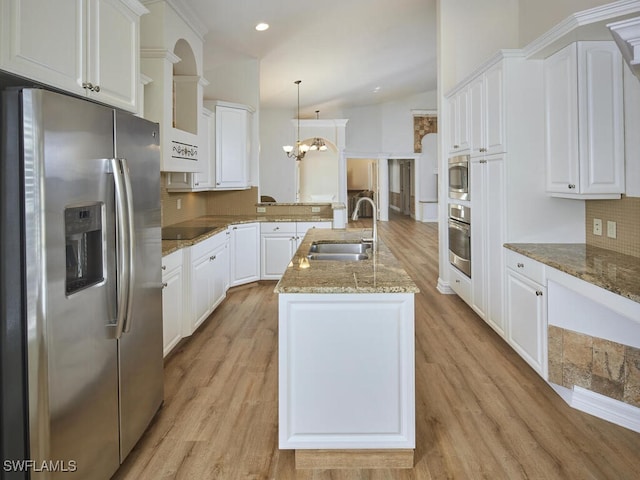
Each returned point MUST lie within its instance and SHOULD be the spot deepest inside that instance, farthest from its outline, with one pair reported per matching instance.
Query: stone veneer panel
(421, 126)
(599, 365)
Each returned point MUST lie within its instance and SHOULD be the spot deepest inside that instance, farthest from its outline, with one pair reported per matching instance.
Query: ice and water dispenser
(83, 235)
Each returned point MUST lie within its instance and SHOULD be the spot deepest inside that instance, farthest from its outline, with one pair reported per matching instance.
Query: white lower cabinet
(209, 267)
(277, 246)
(279, 242)
(487, 238)
(526, 310)
(244, 253)
(346, 371)
(172, 300)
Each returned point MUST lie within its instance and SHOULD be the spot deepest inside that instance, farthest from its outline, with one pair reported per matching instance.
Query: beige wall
(471, 31)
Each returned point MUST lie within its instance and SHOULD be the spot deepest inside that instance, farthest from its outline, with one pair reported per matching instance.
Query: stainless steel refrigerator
(81, 366)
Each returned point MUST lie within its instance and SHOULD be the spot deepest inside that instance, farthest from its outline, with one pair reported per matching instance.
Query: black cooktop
(184, 233)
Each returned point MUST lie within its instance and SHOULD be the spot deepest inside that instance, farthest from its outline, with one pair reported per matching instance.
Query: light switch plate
(611, 229)
(315, 209)
(597, 226)
(261, 209)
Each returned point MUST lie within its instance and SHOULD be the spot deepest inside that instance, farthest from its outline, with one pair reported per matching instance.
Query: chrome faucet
(374, 230)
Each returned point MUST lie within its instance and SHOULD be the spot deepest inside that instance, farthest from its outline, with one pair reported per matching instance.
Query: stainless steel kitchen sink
(346, 252)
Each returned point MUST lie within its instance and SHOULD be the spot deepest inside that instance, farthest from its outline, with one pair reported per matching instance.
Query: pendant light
(299, 151)
(318, 143)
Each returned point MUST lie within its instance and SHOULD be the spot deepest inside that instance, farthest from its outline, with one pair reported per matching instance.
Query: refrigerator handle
(130, 246)
(123, 240)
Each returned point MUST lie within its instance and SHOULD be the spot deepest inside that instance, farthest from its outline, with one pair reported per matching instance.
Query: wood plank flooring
(481, 411)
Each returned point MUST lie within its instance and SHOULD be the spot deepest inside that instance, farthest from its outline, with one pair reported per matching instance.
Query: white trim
(483, 67)
(136, 7)
(186, 13)
(159, 53)
(600, 406)
(565, 30)
(444, 287)
(424, 113)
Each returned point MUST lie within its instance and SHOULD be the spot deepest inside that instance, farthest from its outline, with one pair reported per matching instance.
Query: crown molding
(585, 25)
(627, 35)
(159, 53)
(186, 13)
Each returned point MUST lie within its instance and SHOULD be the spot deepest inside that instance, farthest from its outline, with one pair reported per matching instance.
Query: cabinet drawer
(207, 245)
(461, 284)
(278, 227)
(304, 226)
(171, 262)
(526, 266)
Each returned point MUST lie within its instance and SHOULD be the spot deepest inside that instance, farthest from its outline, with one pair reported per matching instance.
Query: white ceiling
(341, 49)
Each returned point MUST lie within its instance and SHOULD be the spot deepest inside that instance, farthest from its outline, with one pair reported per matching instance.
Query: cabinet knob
(520, 265)
(235, 228)
(91, 86)
(457, 281)
(165, 284)
(212, 258)
(164, 267)
(538, 293)
(277, 228)
(456, 146)
(482, 149)
(483, 161)
(571, 186)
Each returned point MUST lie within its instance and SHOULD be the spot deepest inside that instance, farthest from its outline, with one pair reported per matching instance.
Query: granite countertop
(615, 272)
(219, 223)
(381, 274)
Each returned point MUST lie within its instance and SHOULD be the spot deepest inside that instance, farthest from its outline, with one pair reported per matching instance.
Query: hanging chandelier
(318, 143)
(300, 150)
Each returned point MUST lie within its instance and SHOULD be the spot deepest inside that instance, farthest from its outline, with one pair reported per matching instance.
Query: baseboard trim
(443, 287)
(600, 406)
(357, 459)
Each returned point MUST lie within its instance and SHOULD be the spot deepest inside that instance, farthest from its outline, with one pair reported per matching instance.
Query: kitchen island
(346, 358)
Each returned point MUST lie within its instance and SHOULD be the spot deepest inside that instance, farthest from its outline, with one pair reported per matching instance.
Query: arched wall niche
(185, 88)
(318, 174)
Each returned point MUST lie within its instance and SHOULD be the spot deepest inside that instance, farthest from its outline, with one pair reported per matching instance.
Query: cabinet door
(113, 53)
(232, 147)
(172, 308)
(276, 253)
(601, 118)
(527, 320)
(494, 135)
(220, 280)
(477, 141)
(487, 239)
(459, 112)
(44, 41)
(201, 290)
(245, 253)
(561, 111)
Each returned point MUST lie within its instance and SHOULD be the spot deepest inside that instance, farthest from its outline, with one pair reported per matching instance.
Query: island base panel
(344, 459)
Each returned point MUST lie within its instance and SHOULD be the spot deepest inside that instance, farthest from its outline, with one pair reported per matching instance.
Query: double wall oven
(459, 215)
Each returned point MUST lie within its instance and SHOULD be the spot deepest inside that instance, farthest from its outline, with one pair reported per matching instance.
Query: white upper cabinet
(584, 141)
(460, 119)
(232, 146)
(486, 113)
(85, 47)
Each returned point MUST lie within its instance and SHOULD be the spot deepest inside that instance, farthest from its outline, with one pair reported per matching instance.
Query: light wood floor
(481, 411)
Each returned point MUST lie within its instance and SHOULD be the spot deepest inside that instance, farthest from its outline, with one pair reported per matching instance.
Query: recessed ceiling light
(261, 27)
(376, 90)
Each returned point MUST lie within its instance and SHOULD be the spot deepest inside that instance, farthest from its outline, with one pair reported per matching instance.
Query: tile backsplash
(626, 213)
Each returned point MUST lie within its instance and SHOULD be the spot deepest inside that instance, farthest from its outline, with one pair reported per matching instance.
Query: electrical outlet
(179, 203)
(261, 209)
(597, 226)
(315, 209)
(611, 229)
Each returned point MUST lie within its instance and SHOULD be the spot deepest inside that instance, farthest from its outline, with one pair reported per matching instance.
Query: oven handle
(464, 227)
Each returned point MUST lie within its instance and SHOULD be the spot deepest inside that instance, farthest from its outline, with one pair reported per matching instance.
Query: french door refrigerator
(81, 366)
